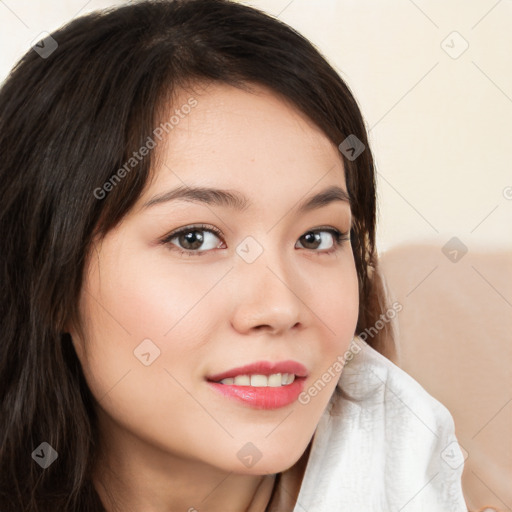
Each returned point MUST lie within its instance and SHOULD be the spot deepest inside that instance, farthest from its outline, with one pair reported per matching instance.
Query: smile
(274, 380)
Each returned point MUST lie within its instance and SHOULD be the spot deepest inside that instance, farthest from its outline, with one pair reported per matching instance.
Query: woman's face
(160, 323)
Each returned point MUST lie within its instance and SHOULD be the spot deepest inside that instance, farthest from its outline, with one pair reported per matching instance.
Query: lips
(262, 368)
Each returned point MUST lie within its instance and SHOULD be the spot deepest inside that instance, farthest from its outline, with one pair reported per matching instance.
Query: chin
(275, 462)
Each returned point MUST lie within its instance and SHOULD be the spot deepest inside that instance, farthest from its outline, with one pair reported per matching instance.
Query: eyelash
(339, 238)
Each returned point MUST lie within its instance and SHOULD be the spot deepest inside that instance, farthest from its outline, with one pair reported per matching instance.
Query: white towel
(387, 447)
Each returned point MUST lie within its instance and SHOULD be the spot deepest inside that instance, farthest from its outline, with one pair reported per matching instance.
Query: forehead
(256, 142)
(251, 119)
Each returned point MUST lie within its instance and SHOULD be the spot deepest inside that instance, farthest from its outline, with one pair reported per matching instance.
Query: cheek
(334, 300)
(126, 316)
(341, 303)
(133, 307)
(336, 306)
(143, 297)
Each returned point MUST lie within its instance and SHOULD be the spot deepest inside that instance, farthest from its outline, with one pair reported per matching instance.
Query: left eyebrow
(237, 201)
(324, 198)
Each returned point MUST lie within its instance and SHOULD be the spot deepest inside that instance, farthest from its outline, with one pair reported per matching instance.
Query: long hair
(70, 116)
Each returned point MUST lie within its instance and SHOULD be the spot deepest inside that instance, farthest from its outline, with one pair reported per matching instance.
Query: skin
(168, 441)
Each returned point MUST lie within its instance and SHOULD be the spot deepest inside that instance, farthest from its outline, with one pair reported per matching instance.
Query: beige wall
(440, 127)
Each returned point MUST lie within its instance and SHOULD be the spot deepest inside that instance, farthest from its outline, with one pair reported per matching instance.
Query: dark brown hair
(68, 120)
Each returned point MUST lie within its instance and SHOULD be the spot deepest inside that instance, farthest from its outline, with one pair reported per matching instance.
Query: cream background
(439, 127)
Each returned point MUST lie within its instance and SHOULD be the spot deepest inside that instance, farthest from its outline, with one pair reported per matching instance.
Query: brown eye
(192, 239)
(313, 240)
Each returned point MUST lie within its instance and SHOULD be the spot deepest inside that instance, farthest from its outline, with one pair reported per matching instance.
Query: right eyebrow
(211, 196)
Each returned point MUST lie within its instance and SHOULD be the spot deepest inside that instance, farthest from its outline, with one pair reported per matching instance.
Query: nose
(266, 296)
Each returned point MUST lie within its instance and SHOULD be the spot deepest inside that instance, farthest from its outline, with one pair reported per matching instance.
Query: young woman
(191, 313)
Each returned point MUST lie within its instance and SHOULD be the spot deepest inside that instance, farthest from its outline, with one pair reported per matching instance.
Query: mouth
(273, 372)
(262, 385)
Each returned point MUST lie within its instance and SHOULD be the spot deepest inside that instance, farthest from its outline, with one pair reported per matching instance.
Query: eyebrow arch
(239, 202)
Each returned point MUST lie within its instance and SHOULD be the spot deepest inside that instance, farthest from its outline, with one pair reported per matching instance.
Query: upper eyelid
(192, 227)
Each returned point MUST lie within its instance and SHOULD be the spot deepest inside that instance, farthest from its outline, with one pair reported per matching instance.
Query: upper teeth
(275, 380)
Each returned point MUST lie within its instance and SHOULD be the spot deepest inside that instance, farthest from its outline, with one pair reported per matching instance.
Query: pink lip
(262, 397)
(263, 368)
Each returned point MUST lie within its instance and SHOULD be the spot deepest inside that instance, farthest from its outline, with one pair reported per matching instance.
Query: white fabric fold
(383, 444)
